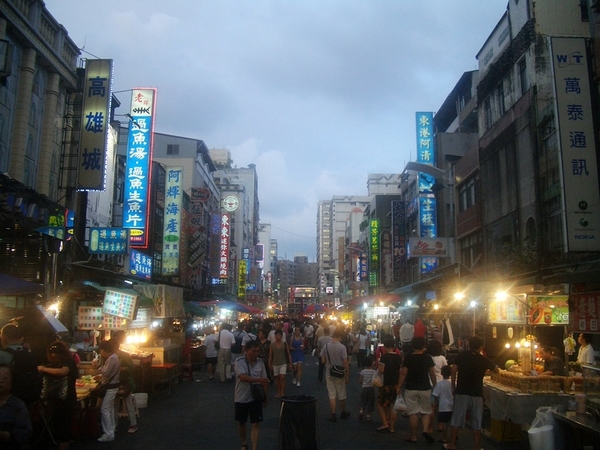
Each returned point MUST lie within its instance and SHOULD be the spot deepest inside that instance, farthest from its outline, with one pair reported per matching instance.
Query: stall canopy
(234, 306)
(196, 309)
(15, 286)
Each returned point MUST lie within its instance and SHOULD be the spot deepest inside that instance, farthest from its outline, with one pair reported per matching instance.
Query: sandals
(383, 429)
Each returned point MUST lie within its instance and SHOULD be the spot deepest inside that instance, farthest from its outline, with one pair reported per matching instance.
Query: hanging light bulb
(507, 345)
(510, 332)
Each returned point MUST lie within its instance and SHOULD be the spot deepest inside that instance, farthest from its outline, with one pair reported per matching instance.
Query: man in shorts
(334, 353)
(470, 366)
(249, 369)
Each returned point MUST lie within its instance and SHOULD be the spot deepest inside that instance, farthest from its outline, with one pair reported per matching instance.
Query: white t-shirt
(439, 361)
(309, 331)
(226, 340)
(586, 355)
(367, 377)
(407, 332)
(209, 342)
(443, 390)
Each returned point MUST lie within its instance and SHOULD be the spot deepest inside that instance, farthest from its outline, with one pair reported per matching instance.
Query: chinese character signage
(137, 169)
(215, 244)
(374, 246)
(577, 144)
(109, 241)
(399, 240)
(89, 317)
(97, 95)
(119, 304)
(428, 247)
(425, 149)
(172, 221)
(140, 265)
(585, 312)
(242, 271)
(224, 247)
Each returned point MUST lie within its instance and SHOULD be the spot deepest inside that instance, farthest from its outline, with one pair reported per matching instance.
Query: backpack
(26, 379)
(237, 347)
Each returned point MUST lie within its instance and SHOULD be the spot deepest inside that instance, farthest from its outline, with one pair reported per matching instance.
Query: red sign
(200, 194)
(585, 312)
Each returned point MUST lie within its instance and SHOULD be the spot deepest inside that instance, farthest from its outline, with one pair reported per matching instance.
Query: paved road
(200, 415)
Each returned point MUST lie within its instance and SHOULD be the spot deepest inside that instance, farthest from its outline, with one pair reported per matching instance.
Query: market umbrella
(196, 308)
(313, 308)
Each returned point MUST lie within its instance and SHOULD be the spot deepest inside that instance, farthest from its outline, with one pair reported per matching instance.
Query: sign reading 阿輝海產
(172, 221)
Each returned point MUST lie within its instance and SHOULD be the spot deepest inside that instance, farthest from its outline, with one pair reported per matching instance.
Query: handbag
(54, 388)
(400, 404)
(335, 370)
(257, 389)
(378, 380)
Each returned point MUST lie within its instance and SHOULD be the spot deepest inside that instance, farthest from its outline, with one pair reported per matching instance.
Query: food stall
(517, 325)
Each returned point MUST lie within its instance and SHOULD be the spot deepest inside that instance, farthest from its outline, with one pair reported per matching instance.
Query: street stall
(517, 326)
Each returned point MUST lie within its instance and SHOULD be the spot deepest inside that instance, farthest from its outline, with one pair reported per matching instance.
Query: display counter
(509, 404)
(165, 354)
(576, 431)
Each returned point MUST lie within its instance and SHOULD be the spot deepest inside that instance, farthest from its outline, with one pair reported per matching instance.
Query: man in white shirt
(278, 326)
(586, 351)
(407, 332)
(226, 341)
(309, 337)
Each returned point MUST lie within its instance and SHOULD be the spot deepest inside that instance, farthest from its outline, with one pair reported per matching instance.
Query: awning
(16, 286)
(456, 271)
(195, 308)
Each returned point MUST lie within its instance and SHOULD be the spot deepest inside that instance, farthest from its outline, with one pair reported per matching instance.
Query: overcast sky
(316, 93)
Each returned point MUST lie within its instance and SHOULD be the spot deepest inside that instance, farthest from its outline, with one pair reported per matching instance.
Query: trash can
(541, 438)
(298, 423)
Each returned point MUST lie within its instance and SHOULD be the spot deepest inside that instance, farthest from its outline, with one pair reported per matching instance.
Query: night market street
(200, 415)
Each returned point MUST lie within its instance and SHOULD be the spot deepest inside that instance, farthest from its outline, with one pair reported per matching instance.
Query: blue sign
(140, 265)
(427, 217)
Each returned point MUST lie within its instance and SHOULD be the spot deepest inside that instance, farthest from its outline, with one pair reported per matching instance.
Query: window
(470, 250)
(466, 194)
(487, 110)
(523, 76)
(173, 149)
(500, 99)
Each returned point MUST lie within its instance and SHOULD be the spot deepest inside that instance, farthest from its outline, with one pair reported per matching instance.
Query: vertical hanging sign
(242, 271)
(137, 169)
(577, 145)
(374, 253)
(425, 150)
(224, 248)
(97, 95)
(172, 221)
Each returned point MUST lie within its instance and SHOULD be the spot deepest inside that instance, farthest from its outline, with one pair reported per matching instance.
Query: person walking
(434, 349)
(225, 341)
(280, 361)
(249, 369)
(467, 381)
(321, 343)
(389, 365)
(263, 350)
(367, 392)
(297, 352)
(442, 393)
(127, 382)
(364, 342)
(419, 374)
(211, 352)
(334, 354)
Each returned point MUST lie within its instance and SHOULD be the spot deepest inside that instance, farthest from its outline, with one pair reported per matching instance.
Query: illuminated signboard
(215, 243)
(425, 149)
(140, 265)
(89, 317)
(549, 310)
(119, 304)
(172, 221)
(224, 247)
(577, 145)
(97, 95)
(109, 241)
(374, 245)
(137, 169)
(242, 271)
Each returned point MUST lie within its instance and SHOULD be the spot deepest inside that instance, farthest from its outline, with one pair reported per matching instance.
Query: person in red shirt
(420, 329)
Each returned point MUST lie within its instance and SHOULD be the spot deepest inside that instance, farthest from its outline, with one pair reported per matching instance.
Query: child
(443, 396)
(367, 393)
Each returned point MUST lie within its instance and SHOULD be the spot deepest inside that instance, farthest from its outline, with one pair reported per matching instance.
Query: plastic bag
(543, 416)
(378, 380)
(541, 432)
(400, 404)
